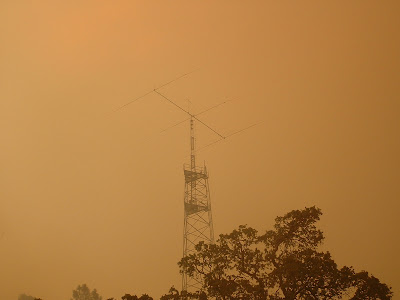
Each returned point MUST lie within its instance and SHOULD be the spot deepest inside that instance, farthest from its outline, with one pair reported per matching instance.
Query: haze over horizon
(89, 195)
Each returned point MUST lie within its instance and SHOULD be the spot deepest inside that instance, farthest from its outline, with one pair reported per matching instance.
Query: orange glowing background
(91, 196)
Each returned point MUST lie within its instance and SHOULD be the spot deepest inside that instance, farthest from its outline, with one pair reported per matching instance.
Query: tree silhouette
(134, 297)
(174, 294)
(145, 297)
(82, 292)
(283, 263)
(27, 297)
(129, 297)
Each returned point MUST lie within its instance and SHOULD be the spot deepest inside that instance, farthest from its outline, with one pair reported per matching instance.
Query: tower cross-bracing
(198, 225)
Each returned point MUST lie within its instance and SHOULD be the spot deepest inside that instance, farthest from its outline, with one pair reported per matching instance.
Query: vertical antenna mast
(192, 145)
(198, 225)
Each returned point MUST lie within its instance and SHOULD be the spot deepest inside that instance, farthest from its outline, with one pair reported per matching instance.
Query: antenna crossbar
(191, 115)
(172, 102)
(169, 100)
(148, 93)
(229, 135)
(210, 108)
(202, 112)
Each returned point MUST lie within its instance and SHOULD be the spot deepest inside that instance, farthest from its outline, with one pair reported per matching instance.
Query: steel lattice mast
(198, 225)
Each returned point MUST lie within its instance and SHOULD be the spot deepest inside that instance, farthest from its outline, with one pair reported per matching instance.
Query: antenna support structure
(198, 224)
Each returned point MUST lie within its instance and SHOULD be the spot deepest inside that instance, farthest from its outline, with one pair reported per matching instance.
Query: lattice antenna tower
(198, 224)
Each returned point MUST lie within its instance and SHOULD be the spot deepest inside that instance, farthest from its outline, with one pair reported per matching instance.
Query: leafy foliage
(134, 297)
(82, 292)
(25, 297)
(174, 294)
(283, 263)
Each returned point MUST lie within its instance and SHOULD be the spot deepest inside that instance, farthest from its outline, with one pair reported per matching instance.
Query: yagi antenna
(148, 93)
(191, 116)
(187, 119)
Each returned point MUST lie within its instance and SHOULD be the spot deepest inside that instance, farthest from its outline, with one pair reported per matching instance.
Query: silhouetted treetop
(134, 297)
(25, 297)
(82, 292)
(283, 263)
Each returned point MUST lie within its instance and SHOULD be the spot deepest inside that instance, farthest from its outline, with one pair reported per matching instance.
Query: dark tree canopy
(145, 297)
(25, 297)
(82, 292)
(283, 263)
(134, 297)
(174, 294)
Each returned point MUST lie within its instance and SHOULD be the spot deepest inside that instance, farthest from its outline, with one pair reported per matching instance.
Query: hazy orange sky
(91, 196)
